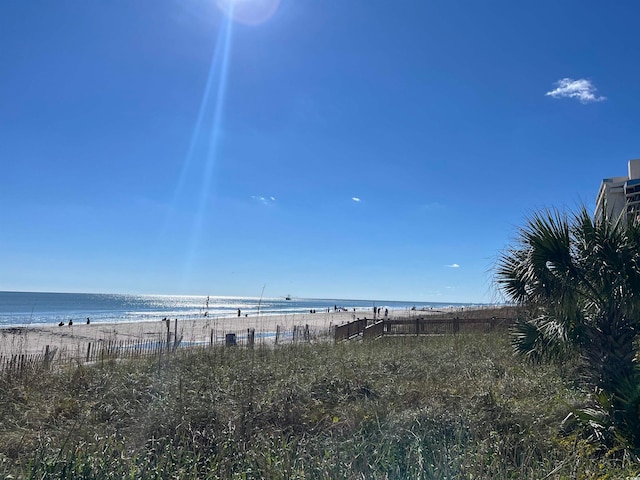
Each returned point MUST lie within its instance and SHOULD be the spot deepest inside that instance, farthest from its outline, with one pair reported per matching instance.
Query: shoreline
(36, 339)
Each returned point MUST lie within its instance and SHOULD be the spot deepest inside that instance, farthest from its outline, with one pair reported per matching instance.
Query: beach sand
(35, 339)
(71, 341)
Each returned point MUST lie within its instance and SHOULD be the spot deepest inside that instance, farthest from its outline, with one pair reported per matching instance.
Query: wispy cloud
(432, 206)
(581, 89)
(355, 199)
(453, 265)
(264, 200)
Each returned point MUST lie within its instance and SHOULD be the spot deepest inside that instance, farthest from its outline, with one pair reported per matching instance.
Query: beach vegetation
(431, 407)
(580, 283)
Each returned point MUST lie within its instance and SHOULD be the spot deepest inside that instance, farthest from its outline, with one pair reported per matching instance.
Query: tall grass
(429, 407)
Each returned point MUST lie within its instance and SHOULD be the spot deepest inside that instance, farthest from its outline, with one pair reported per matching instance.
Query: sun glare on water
(249, 12)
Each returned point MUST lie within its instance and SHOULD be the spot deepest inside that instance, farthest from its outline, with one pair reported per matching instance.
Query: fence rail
(373, 331)
(351, 329)
(419, 326)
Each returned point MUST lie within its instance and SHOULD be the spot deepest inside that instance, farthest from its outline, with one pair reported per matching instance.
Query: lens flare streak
(204, 146)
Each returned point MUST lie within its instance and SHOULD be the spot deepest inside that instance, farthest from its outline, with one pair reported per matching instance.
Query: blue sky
(320, 148)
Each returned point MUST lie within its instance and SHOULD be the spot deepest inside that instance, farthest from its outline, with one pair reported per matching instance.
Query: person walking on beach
(238, 312)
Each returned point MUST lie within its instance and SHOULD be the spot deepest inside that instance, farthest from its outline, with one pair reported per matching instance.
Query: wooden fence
(14, 364)
(351, 329)
(419, 326)
(374, 331)
(99, 351)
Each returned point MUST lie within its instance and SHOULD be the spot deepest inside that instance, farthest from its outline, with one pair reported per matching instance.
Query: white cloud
(264, 200)
(453, 265)
(355, 199)
(581, 89)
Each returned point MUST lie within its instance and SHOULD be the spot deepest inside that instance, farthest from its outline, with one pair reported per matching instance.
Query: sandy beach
(35, 339)
(72, 340)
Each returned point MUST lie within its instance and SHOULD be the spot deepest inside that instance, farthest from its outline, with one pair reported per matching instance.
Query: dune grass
(430, 407)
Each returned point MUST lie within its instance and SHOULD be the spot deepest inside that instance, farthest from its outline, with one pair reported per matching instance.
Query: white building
(620, 195)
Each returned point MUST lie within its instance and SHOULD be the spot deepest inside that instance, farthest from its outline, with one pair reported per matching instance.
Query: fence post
(277, 333)
(168, 333)
(417, 326)
(88, 351)
(46, 357)
(175, 335)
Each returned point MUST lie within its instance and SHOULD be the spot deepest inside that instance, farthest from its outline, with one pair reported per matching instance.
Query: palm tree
(580, 280)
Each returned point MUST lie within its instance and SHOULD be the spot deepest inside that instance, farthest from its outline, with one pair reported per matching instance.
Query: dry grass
(429, 407)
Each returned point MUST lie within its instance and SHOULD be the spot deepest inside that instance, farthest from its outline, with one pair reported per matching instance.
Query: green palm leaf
(581, 280)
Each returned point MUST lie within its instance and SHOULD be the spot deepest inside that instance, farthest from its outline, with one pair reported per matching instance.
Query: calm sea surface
(26, 308)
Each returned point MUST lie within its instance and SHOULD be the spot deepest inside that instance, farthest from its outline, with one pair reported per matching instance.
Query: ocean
(37, 308)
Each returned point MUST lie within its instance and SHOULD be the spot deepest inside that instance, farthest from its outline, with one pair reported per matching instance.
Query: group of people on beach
(61, 324)
(377, 311)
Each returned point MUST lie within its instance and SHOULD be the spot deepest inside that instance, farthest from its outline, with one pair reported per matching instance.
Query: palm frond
(539, 339)
(582, 280)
